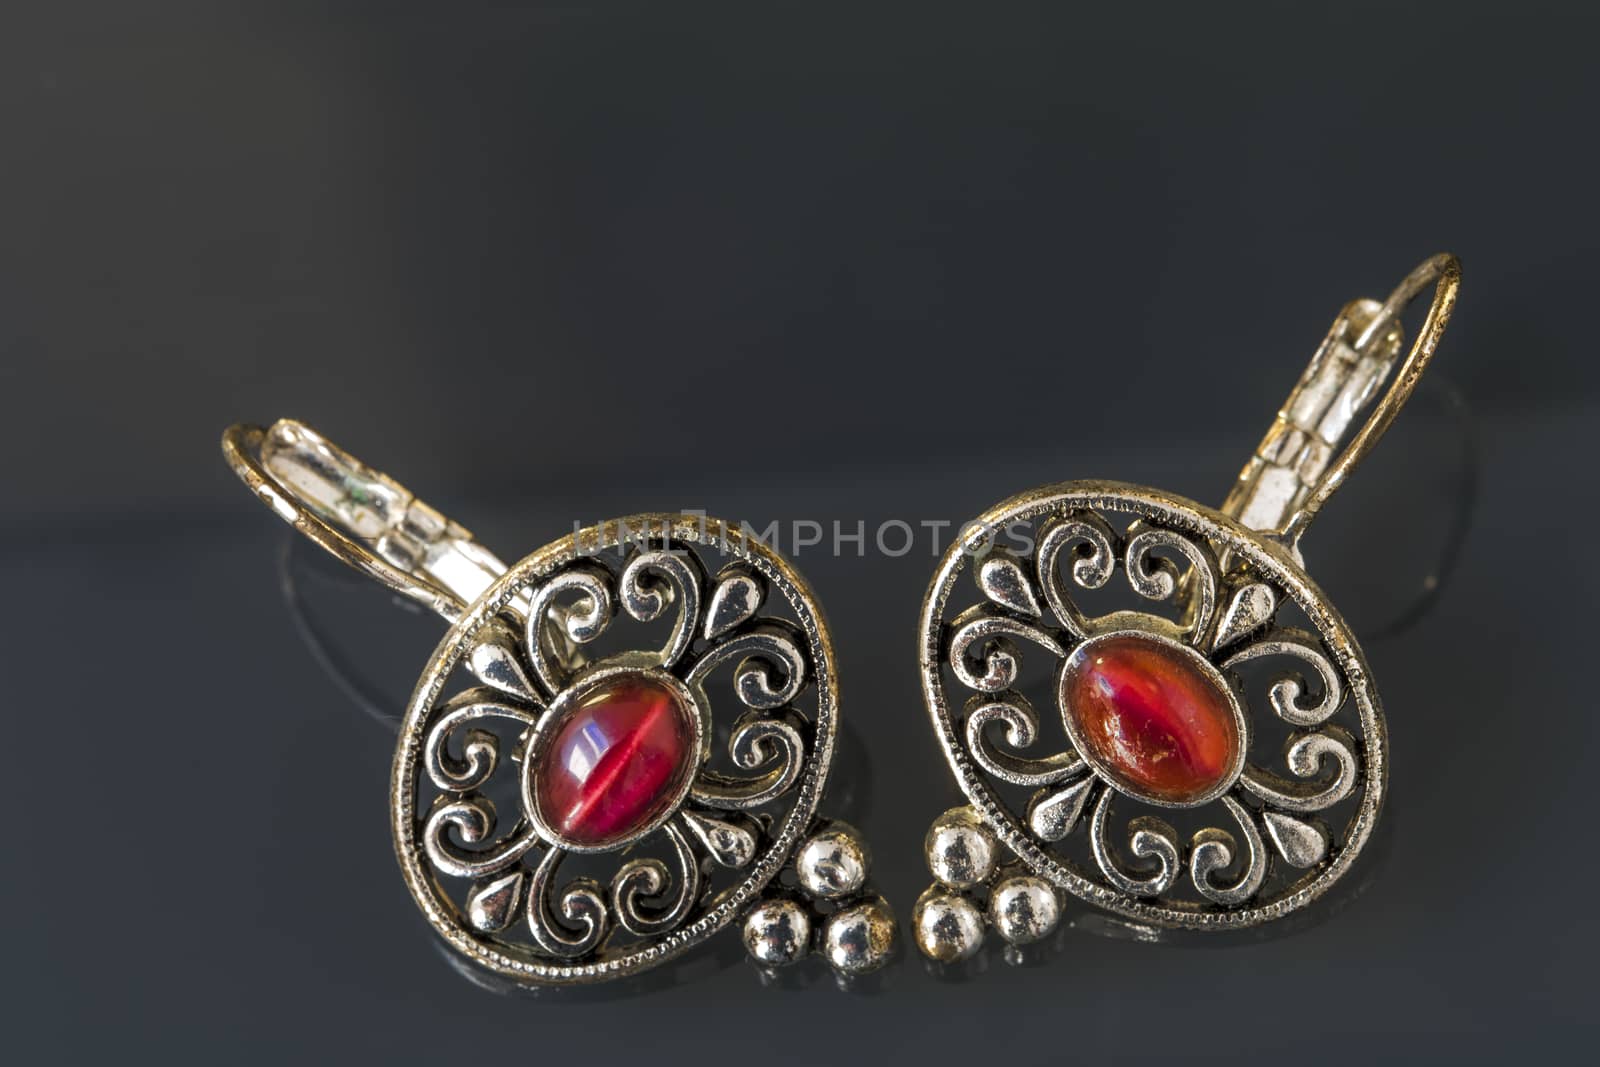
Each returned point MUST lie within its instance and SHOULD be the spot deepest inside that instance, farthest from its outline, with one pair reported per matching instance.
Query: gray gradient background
(547, 263)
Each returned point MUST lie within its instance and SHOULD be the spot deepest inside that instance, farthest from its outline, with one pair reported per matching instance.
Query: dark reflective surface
(551, 264)
(249, 865)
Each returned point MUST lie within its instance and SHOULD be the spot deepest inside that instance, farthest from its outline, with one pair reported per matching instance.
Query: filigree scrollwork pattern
(647, 877)
(1020, 727)
(757, 741)
(744, 646)
(480, 748)
(472, 819)
(1256, 848)
(1150, 840)
(581, 903)
(1092, 568)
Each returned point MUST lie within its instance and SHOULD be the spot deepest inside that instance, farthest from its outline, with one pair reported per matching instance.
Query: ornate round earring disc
(1165, 714)
(614, 753)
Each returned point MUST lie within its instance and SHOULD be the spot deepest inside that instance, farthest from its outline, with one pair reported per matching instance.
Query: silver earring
(704, 757)
(1221, 692)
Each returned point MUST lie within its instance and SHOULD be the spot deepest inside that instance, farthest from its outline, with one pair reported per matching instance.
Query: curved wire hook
(1445, 270)
(1290, 478)
(361, 516)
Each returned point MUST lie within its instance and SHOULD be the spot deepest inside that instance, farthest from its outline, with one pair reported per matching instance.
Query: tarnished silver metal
(859, 938)
(961, 851)
(1224, 594)
(1024, 908)
(362, 516)
(833, 864)
(745, 656)
(1293, 472)
(948, 927)
(777, 932)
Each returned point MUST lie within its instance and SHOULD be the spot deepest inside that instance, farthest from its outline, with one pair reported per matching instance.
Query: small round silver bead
(777, 932)
(834, 863)
(948, 927)
(860, 938)
(961, 850)
(1024, 909)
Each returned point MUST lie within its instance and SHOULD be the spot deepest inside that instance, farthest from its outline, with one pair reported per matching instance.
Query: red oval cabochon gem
(1150, 717)
(616, 762)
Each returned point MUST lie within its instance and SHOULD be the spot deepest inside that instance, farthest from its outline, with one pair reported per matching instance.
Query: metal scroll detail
(745, 648)
(1257, 846)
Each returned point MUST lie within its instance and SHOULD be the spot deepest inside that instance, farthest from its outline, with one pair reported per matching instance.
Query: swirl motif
(472, 818)
(582, 903)
(1306, 754)
(981, 638)
(1286, 692)
(1156, 578)
(755, 742)
(1090, 571)
(480, 748)
(554, 632)
(1150, 839)
(1214, 851)
(559, 608)
(1170, 552)
(1021, 728)
(765, 650)
(648, 877)
(645, 596)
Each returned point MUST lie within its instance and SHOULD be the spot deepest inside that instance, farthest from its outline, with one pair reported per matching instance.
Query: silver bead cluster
(856, 936)
(971, 892)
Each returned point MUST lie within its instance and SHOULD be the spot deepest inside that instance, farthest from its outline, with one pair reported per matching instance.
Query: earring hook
(361, 515)
(1293, 473)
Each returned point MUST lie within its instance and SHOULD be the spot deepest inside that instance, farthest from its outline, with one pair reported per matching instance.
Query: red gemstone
(1152, 716)
(616, 762)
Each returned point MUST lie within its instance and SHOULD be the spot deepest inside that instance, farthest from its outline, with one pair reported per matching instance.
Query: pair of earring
(666, 781)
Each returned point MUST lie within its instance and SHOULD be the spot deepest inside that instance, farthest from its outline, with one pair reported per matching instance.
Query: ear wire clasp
(361, 515)
(1293, 471)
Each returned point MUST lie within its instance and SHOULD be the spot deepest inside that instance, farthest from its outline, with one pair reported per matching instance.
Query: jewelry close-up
(652, 701)
(1224, 756)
